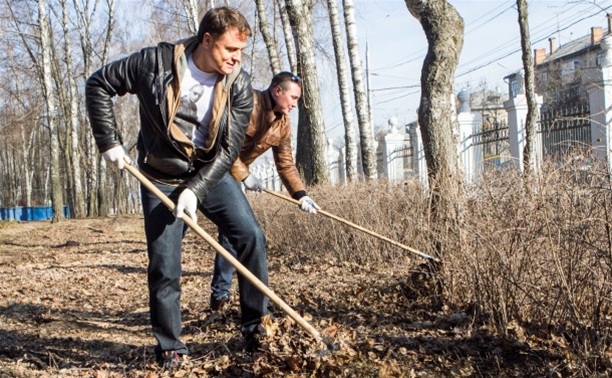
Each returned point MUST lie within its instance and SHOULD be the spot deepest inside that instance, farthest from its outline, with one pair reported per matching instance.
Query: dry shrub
(539, 254)
(394, 211)
(534, 254)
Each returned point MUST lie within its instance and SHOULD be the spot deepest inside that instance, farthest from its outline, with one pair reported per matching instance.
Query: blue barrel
(38, 213)
(67, 211)
(18, 214)
(10, 214)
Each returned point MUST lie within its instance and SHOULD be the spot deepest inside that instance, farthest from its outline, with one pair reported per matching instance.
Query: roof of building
(571, 48)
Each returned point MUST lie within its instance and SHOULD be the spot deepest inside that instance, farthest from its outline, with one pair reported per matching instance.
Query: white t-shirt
(195, 110)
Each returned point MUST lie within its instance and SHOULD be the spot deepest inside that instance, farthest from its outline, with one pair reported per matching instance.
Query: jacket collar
(269, 105)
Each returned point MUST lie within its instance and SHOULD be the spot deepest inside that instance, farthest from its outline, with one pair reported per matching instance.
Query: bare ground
(73, 303)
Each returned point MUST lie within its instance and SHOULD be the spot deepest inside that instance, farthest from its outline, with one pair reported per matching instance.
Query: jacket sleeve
(116, 78)
(286, 167)
(240, 112)
(240, 169)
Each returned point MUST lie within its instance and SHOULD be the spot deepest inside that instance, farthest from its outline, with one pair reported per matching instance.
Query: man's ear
(277, 90)
(206, 39)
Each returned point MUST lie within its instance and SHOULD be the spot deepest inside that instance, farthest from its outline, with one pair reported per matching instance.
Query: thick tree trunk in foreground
(444, 31)
(312, 143)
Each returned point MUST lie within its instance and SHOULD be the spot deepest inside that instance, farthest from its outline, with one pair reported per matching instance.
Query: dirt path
(73, 303)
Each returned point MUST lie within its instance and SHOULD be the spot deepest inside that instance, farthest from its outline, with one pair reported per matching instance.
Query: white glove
(187, 202)
(116, 155)
(252, 183)
(308, 205)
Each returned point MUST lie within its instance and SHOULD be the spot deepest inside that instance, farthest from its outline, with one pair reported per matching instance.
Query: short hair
(219, 20)
(281, 78)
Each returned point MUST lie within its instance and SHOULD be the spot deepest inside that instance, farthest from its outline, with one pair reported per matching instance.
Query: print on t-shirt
(195, 110)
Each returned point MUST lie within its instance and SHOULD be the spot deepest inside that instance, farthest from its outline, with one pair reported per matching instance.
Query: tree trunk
(78, 203)
(444, 31)
(366, 137)
(46, 46)
(91, 153)
(268, 39)
(529, 158)
(193, 18)
(289, 35)
(345, 100)
(312, 142)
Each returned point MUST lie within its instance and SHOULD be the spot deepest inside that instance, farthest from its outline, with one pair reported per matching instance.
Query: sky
(397, 46)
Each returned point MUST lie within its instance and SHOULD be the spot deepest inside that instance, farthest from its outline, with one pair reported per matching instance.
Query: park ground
(74, 303)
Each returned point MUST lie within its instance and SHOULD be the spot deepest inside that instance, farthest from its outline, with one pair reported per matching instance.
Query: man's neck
(272, 102)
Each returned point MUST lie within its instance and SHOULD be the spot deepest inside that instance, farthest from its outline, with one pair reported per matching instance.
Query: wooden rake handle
(228, 256)
(369, 232)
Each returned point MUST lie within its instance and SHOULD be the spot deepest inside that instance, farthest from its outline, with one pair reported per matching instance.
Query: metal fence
(565, 128)
(402, 152)
(495, 144)
(562, 128)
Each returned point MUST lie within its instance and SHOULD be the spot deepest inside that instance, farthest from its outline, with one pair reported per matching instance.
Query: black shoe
(253, 342)
(218, 304)
(169, 359)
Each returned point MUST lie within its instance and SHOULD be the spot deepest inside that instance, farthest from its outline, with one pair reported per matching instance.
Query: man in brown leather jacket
(195, 103)
(269, 127)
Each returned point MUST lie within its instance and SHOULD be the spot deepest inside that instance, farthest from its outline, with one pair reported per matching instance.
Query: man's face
(286, 99)
(222, 54)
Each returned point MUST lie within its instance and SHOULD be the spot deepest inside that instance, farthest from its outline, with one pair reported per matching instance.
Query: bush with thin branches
(535, 254)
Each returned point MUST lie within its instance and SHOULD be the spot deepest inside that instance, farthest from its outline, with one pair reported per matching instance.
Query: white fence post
(517, 114)
(599, 91)
(470, 154)
(419, 164)
(393, 145)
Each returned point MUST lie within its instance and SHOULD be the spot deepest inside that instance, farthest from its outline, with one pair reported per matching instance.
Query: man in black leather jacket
(195, 103)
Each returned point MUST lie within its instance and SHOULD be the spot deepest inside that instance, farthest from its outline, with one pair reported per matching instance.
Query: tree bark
(366, 137)
(74, 153)
(268, 39)
(83, 17)
(529, 158)
(289, 36)
(312, 142)
(443, 27)
(193, 18)
(343, 87)
(51, 108)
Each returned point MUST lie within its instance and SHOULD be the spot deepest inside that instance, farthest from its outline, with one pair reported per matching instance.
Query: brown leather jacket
(268, 129)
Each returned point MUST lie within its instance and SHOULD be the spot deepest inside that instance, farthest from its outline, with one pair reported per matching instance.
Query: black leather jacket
(164, 154)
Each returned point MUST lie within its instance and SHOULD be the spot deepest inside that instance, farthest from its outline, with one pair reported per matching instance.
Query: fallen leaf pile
(74, 303)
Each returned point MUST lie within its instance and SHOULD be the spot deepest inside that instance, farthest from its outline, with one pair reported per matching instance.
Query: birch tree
(85, 12)
(312, 143)
(443, 28)
(289, 35)
(343, 86)
(529, 159)
(193, 17)
(366, 137)
(51, 110)
(74, 151)
(269, 41)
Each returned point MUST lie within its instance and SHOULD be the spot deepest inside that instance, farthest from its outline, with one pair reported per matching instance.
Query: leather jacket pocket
(171, 166)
